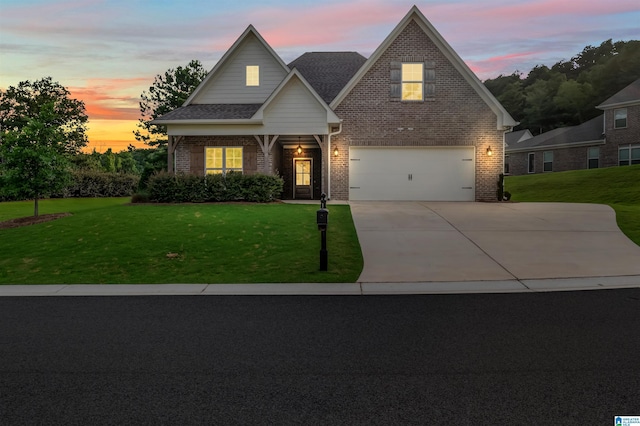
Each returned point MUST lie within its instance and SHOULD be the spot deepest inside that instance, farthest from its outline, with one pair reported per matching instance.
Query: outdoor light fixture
(489, 152)
(299, 149)
(335, 152)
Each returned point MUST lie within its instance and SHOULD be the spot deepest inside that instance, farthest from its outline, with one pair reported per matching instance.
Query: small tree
(34, 163)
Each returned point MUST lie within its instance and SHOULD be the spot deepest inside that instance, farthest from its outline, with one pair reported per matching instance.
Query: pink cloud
(111, 98)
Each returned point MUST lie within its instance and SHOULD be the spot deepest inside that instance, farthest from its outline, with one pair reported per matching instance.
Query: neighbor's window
(412, 81)
(620, 118)
(531, 162)
(222, 160)
(629, 155)
(547, 158)
(593, 157)
(253, 75)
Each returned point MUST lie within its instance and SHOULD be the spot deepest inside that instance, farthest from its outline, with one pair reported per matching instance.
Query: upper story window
(619, 118)
(412, 82)
(223, 160)
(253, 75)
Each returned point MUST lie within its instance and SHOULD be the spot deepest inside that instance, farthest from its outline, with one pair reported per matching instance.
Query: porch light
(335, 152)
(489, 152)
(299, 149)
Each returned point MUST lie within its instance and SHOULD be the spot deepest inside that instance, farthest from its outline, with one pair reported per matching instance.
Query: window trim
(590, 157)
(546, 162)
(403, 82)
(630, 159)
(224, 169)
(252, 75)
(615, 120)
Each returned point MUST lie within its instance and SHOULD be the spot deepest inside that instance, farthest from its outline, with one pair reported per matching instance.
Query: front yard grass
(618, 187)
(107, 241)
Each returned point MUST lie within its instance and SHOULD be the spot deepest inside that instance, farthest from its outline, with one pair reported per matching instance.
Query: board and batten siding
(295, 111)
(229, 85)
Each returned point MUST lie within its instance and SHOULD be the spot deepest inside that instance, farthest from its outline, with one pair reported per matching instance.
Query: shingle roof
(212, 112)
(588, 131)
(630, 93)
(512, 138)
(328, 72)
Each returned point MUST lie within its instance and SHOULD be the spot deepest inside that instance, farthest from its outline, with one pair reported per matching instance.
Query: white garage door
(428, 174)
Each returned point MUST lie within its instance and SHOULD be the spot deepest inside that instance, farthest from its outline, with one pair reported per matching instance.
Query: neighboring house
(610, 139)
(411, 122)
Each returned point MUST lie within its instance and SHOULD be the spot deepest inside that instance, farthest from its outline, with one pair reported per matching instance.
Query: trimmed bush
(89, 183)
(165, 187)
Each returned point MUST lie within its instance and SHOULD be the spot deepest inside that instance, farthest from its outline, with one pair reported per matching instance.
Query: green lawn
(108, 241)
(619, 187)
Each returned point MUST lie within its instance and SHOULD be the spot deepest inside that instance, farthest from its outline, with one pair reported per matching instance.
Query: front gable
(295, 108)
(227, 83)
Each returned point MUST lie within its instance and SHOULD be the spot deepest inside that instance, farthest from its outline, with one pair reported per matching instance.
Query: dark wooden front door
(303, 178)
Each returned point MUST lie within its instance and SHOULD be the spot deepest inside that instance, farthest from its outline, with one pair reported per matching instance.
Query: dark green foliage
(91, 183)
(140, 197)
(165, 187)
(168, 92)
(567, 93)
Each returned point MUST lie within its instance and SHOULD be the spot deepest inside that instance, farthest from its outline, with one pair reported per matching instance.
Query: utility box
(322, 218)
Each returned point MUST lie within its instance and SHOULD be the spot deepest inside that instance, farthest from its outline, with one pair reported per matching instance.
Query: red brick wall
(616, 137)
(456, 117)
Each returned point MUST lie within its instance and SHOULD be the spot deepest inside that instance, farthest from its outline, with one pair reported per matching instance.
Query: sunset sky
(107, 52)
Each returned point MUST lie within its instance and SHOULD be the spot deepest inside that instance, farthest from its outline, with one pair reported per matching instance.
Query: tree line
(567, 93)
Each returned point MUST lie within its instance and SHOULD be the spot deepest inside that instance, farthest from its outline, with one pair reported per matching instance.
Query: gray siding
(229, 85)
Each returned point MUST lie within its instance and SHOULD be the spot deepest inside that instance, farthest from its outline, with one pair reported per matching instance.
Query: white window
(629, 155)
(547, 158)
(620, 118)
(593, 157)
(253, 75)
(222, 160)
(412, 81)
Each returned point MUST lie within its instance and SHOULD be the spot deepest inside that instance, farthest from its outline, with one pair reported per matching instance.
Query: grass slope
(106, 241)
(618, 187)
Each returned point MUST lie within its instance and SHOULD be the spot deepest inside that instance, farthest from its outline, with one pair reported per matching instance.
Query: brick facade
(457, 116)
(615, 138)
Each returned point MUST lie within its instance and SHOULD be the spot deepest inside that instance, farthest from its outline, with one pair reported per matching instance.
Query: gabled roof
(328, 72)
(516, 137)
(209, 112)
(503, 118)
(628, 96)
(587, 133)
(248, 32)
(331, 116)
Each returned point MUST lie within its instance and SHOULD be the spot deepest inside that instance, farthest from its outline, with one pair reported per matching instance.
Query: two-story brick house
(610, 139)
(411, 122)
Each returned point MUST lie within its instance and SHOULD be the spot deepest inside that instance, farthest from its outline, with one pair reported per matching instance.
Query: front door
(303, 178)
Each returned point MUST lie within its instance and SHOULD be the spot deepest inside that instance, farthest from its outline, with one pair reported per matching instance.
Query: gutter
(329, 153)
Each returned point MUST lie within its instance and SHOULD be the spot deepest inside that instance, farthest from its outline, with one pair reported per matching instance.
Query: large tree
(168, 92)
(24, 102)
(34, 158)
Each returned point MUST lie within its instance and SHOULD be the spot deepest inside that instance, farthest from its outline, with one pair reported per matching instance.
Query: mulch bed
(31, 220)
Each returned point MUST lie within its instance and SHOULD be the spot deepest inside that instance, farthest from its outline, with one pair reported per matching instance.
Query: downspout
(329, 153)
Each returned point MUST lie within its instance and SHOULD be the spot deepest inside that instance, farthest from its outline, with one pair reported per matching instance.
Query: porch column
(266, 144)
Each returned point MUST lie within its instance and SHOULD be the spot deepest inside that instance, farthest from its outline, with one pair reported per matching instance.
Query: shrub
(140, 197)
(165, 187)
(90, 183)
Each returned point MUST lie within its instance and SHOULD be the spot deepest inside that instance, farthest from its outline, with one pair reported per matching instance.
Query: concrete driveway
(454, 241)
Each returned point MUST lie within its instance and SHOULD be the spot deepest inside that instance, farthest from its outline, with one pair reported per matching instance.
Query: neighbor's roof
(627, 96)
(328, 72)
(585, 133)
(211, 112)
(512, 138)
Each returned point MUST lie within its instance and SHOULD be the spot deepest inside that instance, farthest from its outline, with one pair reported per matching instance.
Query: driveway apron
(458, 241)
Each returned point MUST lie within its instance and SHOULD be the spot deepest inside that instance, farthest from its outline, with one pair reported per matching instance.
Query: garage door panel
(435, 174)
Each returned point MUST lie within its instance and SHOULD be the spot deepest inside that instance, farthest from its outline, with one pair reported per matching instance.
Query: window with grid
(222, 160)
(547, 158)
(253, 75)
(629, 155)
(412, 81)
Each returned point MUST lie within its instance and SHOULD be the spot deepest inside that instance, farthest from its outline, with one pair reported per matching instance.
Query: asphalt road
(550, 358)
